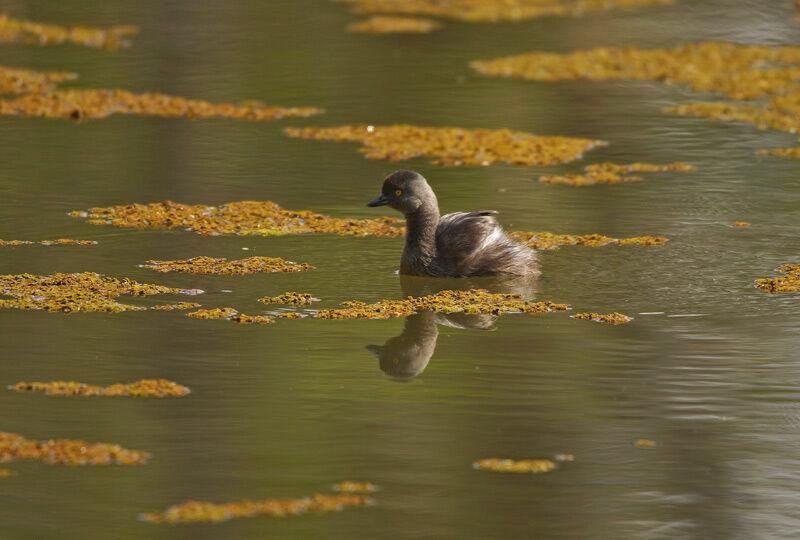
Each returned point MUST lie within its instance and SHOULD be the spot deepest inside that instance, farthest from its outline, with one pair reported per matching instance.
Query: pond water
(709, 368)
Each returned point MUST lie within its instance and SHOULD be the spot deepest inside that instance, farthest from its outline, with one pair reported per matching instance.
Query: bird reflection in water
(405, 356)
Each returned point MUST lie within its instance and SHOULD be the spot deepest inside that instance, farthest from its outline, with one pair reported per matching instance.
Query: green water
(708, 368)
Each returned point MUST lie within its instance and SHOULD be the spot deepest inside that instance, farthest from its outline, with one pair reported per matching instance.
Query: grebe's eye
(398, 192)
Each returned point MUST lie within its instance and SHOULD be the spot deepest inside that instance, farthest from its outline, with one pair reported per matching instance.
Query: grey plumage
(461, 244)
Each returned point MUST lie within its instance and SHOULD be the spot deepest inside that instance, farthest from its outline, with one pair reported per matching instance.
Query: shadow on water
(404, 357)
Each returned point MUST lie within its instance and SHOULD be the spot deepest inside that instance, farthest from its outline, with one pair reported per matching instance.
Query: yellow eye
(398, 192)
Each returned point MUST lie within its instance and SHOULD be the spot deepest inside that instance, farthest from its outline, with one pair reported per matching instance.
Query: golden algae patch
(211, 265)
(6, 473)
(494, 10)
(644, 443)
(530, 466)
(474, 301)
(612, 173)
(208, 512)
(353, 486)
(36, 33)
(246, 217)
(788, 283)
(24, 81)
(741, 224)
(177, 305)
(788, 153)
(57, 242)
(291, 298)
(777, 114)
(230, 314)
(394, 25)
(14, 447)
(91, 104)
(146, 388)
(547, 240)
(85, 291)
(608, 318)
(450, 146)
(742, 72)
(290, 315)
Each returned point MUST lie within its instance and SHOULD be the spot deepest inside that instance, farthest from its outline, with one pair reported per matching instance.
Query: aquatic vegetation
(788, 153)
(611, 173)
(178, 305)
(31, 32)
(6, 473)
(494, 10)
(777, 114)
(24, 81)
(645, 443)
(610, 318)
(57, 242)
(291, 298)
(548, 241)
(263, 218)
(394, 25)
(91, 104)
(741, 224)
(146, 388)
(474, 301)
(452, 146)
(14, 447)
(532, 466)
(290, 315)
(230, 314)
(788, 283)
(208, 512)
(353, 486)
(211, 265)
(84, 291)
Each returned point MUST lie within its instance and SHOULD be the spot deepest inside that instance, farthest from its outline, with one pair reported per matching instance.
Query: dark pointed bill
(383, 200)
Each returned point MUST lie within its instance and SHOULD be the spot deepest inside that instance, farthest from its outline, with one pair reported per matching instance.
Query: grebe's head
(406, 192)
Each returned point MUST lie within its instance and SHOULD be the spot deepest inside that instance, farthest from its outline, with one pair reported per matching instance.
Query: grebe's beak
(383, 200)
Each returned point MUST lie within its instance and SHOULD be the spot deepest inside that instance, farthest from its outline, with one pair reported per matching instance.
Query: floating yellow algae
(547, 240)
(146, 388)
(531, 466)
(452, 146)
(14, 447)
(354, 486)
(742, 72)
(777, 114)
(246, 217)
(474, 301)
(610, 318)
(494, 10)
(6, 473)
(57, 242)
(291, 298)
(211, 265)
(394, 25)
(207, 512)
(741, 224)
(24, 81)
(178, 305)
(645, 443)
(85, 291)
(90, 104)
(290, 315)
(611, 173)
(23, 31)
(788, 283)
(230, 314)
(788, 153)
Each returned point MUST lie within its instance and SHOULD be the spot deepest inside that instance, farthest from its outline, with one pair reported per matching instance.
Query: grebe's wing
(461, 235)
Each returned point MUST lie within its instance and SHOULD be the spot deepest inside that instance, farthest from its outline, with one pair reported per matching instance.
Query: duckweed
(57, 242)
(178, 305)
(788, 283)
(30, 32)
(352, 486)
(91, 104)
(788, 153)
(291, 298)
(531, 466)
(474, 301)
(230, 314)
(6, 473)
(84, 291)
(211, 265)
(24, 81)
(494, 10)
(611, 173)
(146, 388)
(777, 114)
(452, 146)
(645, 443)
(14, 447)
(741, 224)
(548, 241)
(394, 25)
(610, 318)
(207, 512)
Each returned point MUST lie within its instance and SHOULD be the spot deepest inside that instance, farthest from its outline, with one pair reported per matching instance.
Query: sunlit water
(708, 369)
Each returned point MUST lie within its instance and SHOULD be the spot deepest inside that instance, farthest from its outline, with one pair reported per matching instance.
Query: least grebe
(461, 244)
